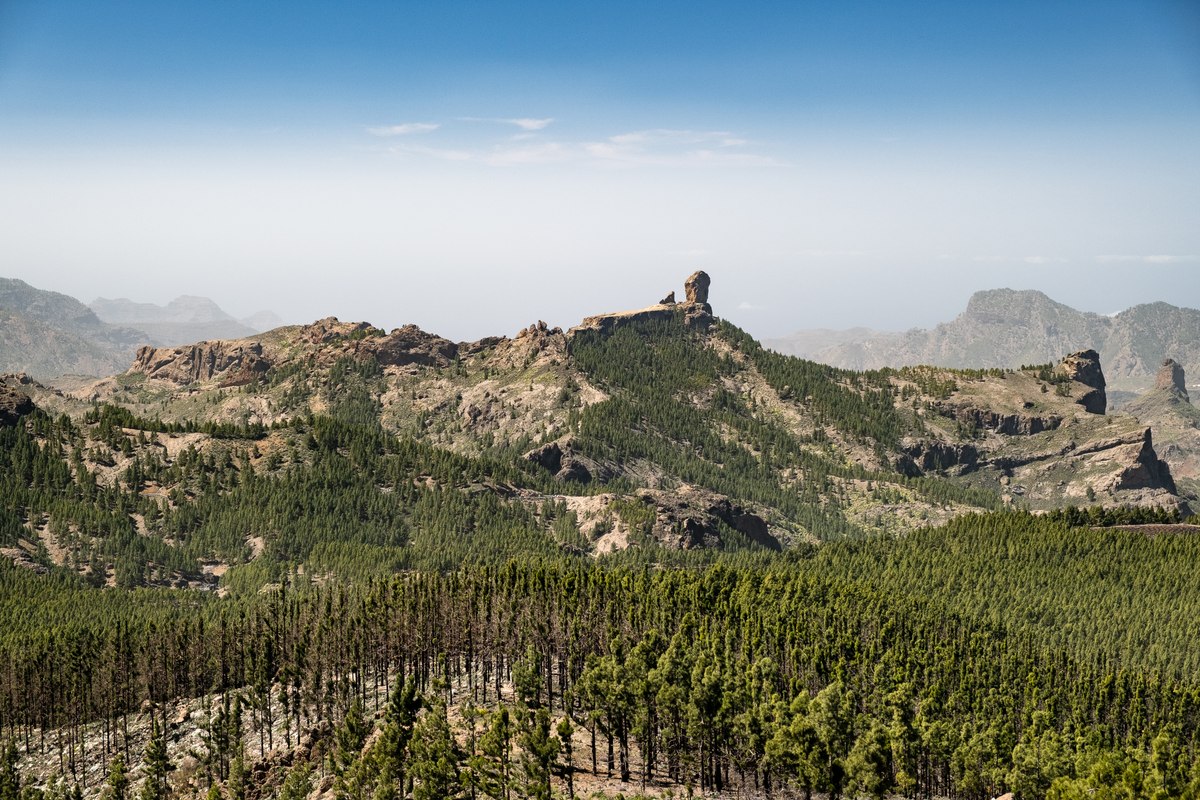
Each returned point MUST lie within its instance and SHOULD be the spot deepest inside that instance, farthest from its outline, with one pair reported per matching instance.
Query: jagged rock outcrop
(13, 406)
(1084, 367)
(236, 363)
(920, 456)
(331, 329)
(1171, 378)
(690, 517)
(560, 458)
(697, 313)
(1007, 424)
(479, 345)
(1147, 470)
(410, 345)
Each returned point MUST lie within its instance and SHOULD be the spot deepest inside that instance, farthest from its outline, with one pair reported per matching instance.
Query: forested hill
(337, 443)
(644, 554)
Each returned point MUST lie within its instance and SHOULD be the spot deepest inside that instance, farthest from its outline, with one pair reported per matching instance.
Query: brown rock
(560, 458)
(692, 517)
(410, 345)
(480, 345)
(669, 300)
(696, 287)
(607, 323)
(236, 363)
(13, 406)
(1084, 367)
(1171, 378)
(1146, 471)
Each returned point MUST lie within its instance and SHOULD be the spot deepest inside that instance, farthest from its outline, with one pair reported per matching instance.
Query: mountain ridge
(51, 335)
(660, 427)
(1006, 328)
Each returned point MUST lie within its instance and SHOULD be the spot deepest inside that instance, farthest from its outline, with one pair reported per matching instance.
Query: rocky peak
(1170, 377)
(1084, 367)
(409, 345)
(697, 313)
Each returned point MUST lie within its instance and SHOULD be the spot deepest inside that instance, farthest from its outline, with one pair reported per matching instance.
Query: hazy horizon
(471, 168)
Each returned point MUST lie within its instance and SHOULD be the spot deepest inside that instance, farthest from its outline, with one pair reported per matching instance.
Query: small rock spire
(1171, 377)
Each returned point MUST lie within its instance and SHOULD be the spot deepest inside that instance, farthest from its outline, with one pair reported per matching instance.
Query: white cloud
(1044, 260)
(404, 129)
(1149, 259)
(529, 124)
(524, 123)
(746, 305)
(668, 146)
(653, 147)
(440, 153)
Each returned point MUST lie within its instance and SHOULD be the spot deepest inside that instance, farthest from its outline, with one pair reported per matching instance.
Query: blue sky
(473, 166)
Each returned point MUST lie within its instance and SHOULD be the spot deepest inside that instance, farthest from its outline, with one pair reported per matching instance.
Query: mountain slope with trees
(644, 555)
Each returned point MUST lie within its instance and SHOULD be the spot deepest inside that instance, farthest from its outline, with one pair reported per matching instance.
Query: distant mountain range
(185, 319)
(1008, 328)
(50, 334)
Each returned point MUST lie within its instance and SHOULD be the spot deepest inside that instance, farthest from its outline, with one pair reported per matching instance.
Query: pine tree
(540, 753)
(156, 765)
(10, 782)
(435, 758)
(116, 787)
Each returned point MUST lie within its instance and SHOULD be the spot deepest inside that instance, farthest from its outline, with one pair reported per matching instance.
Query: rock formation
(691, 517)
(920, 456)
(237, 362)
(1008, 424)
(560, 458)
(1146, 470)
(13, 406)
(1171, 378)
(696, 287)
(410, 345)
(697, 313)
(1084, 367)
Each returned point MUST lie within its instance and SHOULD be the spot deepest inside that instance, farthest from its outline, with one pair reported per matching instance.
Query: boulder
(1171, 378)
(1084, 367)
(669, 300)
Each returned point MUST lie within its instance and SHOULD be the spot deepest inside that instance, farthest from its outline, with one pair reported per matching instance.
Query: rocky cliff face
(1176, 423)
(234, 363)
(691, 517)
(1040, 443)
